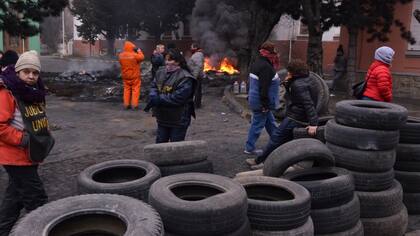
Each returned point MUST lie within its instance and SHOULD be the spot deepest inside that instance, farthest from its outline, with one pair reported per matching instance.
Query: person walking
(171, 97)
(340, 68)
(25, 139)
(157, 58)
(263, 96)
(196, 64)
(378, 77)
(130, 60)
(301, 96)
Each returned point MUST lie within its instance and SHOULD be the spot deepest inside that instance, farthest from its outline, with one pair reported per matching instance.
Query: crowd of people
(175, 93)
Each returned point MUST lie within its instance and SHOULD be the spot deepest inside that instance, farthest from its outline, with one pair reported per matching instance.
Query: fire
(225, 66)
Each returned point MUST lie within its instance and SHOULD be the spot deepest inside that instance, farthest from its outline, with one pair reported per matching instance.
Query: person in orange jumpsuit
(130, 60)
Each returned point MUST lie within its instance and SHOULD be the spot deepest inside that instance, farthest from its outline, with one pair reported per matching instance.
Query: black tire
(244, 230)
(329, 187)
(409, 181)
(363, 161)
(305, 230)
(410, 131)
(370, 114)
(408, 152)
(199, 204)
(336, 219)
(198, 167)
(275, 204)
(409, 166)
(295, 151)
(381, 204)
(83, 214)
(372, 182)
(412, 202)
(323, 96)
(355, 231)
(177, 153)
(395, 225)
(361, 139)
(125, 177)
(320, 131)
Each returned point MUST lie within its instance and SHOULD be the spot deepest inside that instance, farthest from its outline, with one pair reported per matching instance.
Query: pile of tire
(407, 166)
(363, 138)
(202, 204)
(277, 207)
(335, 208)
(92, 214)
(180, 157)
(320, 131)
(131, 178)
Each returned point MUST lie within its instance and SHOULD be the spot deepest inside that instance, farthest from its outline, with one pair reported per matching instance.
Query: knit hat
(28, 59)
(384, 54)
(10, 57)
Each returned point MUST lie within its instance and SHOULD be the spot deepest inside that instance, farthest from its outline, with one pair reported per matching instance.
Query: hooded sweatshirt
(130, 62)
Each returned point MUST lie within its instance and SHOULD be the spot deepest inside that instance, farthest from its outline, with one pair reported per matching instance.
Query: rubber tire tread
(381, 204)
(326, 193)
(410, 131)
(361, 139)
(295, 151)
(357, 230)
(395, 225)
(372, 182)
(363, 161)
(218, 214)
(305, 230)
(409, 181)
(205, 166)
(412, 202)
(278, 215)
(336, 219)
(408, 152)
(370, 114)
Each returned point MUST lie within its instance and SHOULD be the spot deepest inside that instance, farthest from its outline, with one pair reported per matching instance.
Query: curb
(230, 101)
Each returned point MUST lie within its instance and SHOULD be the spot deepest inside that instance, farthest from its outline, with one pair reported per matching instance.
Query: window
(415, 27)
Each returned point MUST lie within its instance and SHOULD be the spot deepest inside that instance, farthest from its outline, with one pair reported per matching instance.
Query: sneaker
(251, 161)
(332, 95)
(254, 152)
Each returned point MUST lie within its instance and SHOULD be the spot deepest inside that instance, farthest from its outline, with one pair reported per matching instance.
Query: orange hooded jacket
(10, 138)
(129, 61)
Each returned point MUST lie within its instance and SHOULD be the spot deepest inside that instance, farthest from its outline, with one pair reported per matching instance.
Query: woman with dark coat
(25, 139)
(171, 97)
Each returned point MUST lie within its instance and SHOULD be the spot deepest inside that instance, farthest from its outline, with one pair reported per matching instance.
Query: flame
(226, 66)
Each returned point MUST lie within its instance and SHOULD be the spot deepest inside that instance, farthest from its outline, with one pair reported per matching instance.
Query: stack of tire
(277, 207)
(131, 178)
(407, 166)
(363, 138)
(335, 208)
(180, 157)
(201, 204)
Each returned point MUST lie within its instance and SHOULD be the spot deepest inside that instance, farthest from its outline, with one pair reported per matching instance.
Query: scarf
(272, 57)
(21, 90)
(172, 68)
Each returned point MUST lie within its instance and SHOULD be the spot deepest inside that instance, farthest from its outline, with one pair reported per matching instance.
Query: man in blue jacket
(263, 96)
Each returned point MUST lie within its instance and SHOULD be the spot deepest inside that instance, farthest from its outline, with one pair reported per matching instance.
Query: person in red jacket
(25, 139)
(378, 77)
(130, 60)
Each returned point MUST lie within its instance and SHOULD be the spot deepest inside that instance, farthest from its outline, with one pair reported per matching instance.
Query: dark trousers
(338, 75)
(198, 94)
(173, 134)
(281, 135)
(25, 191)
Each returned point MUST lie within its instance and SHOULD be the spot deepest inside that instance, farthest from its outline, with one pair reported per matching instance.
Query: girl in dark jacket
(25, 139)
(171, 96)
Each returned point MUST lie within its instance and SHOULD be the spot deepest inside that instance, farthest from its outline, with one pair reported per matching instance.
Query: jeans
(281, 135)
(259, 121)
(25, 191)
(173, 134)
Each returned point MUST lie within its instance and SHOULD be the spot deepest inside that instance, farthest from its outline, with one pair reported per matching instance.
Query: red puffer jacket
(379, 84)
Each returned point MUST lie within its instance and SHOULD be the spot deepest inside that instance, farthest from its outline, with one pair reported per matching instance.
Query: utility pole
(63, 35)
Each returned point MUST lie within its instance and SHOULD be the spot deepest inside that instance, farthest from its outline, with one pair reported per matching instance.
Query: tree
(18, 17)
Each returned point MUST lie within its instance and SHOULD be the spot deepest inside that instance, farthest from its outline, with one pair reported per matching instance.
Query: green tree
(17, 17)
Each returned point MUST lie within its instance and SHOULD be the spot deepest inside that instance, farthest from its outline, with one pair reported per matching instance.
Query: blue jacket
(264, 85)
